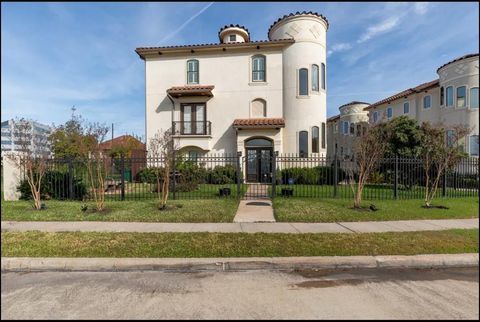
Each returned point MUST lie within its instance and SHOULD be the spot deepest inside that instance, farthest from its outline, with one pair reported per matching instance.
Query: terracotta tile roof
(191, 90)
(155, 50)
(122, 140)
(417, 89)
(259, 122)
(333, 118)
(457, 59)
(233, 26)
(353, 103)
(298, 14)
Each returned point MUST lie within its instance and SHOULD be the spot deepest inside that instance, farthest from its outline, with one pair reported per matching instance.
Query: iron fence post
(239, 175)
(122, 179)
(274, 173)
(70, 180)
(395, 183)
(335, 175)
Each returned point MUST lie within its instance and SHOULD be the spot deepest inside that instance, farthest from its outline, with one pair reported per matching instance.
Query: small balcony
(197, 128)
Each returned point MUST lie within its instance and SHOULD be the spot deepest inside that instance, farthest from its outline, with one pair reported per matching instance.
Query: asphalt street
(347, 294)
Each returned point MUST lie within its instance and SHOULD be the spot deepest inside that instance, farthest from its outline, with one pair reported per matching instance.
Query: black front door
(259, 164)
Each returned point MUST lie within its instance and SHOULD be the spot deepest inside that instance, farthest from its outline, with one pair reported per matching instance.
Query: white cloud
(420, 7)
(380, 28)
(339, 48)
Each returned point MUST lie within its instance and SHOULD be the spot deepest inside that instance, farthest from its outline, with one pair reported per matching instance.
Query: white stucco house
(240, 95)
(451, 99)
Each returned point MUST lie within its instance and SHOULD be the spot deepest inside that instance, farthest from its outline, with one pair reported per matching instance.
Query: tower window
(315, 78)
(461, 96)
(315, 134)
(303, 81)
(474, 97)
(323, 76)
(232, 38)
(303, 143)
(449, 96)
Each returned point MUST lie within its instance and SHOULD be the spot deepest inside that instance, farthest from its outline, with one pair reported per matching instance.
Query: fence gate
(259, 167)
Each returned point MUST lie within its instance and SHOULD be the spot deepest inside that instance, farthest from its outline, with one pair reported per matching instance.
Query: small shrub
(55, 185)
(226, 174)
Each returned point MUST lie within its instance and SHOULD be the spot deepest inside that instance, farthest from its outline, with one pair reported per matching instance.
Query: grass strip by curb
(189, 245)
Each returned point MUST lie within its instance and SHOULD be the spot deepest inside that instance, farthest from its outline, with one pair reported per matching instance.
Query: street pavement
(326, 294)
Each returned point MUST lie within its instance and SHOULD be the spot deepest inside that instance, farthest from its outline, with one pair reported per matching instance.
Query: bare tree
(440, 150)
(95, 161)
(368, 150)
(30, 160)
(162, 149)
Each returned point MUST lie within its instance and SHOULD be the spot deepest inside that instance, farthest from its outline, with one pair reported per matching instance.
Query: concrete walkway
(256, 206)
(293, 228)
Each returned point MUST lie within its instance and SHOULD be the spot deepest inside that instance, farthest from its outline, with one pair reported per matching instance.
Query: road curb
(30, 264)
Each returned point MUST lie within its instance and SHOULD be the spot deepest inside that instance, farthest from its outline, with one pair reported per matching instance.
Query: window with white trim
(427, 101)
(474, 97)
(461, 96)
(303, 81)
(315, 78)
(192, 71)
(473, 145)
(449, 96)
(389, 112)
(258, 68)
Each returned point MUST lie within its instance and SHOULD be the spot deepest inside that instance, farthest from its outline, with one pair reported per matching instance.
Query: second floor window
(303, 81)
(315, 78)
(406, 108)
(233, 38)
(323, 76)
(427, 101)
(442, 95)
(389, 112)
(258, 68)
(474, 97)
(375, 117)
(192, 71)
(449, 96)
(461, 96)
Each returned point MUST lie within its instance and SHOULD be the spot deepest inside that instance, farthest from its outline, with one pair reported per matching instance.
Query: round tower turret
(233, 33)
(304, 78)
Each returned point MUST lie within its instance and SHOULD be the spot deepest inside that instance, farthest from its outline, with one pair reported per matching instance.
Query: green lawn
(209, 210)
(333, 210)
(83, 244)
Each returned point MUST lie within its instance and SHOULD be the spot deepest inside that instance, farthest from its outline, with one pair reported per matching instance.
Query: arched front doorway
(258, 152)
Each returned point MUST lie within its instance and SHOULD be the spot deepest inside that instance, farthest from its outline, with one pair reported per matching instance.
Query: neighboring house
(452, 99)
(344, 127)
(239, 95)
(131, 148)
(38, 137)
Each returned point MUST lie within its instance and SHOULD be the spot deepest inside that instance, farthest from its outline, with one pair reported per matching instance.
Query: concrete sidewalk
(293, 228)
(238, 264)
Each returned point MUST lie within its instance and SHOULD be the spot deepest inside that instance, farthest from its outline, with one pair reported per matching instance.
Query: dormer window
(232, 38)
(192, 71)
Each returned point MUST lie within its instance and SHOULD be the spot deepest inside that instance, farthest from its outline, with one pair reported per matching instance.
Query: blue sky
(56, 55)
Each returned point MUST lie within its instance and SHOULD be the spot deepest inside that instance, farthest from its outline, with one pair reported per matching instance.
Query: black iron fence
(225, 176)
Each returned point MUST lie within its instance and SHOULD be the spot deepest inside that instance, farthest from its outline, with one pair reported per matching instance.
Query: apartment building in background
(38, 137)
(450, 100)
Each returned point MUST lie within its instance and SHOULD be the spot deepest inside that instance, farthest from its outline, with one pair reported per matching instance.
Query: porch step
(258, 210)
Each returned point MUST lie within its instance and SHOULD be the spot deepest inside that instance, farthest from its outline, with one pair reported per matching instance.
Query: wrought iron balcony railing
(192, 128)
